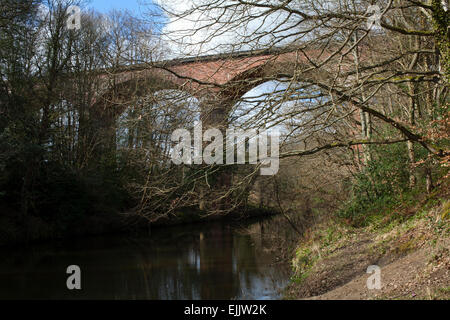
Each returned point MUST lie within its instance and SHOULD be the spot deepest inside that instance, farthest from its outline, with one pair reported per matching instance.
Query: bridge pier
(214, 114)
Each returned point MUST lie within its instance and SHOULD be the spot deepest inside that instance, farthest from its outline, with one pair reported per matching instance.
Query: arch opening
(145, 126)
(280, 104)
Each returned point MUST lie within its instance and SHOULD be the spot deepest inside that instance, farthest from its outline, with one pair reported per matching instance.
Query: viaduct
(217, 81)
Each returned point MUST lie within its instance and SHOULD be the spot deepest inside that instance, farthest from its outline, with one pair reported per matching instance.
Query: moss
(299, 278)
(445, 210)
(440, 26)
(406, 247)
(445, 290)
(303, 263)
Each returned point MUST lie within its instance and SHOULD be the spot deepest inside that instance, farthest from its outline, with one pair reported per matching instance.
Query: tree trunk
(410, 145)
(411, 156)
(441, 22)
(429, 179)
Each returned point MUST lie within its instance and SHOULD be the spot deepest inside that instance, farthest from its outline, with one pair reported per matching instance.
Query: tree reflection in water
(209, 261)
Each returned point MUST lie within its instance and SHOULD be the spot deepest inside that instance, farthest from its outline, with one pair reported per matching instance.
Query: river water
(199, 261)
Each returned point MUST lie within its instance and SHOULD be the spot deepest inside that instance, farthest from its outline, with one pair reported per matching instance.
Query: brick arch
(120, 91)
(270, 71)
(122, 88)
(217, 81)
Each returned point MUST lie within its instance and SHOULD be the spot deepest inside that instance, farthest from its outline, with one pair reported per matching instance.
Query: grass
(397, 230)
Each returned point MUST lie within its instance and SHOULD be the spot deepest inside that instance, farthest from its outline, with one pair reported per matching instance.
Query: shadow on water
(203, 261)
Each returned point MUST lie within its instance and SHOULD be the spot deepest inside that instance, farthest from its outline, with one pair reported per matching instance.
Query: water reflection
(212, 261)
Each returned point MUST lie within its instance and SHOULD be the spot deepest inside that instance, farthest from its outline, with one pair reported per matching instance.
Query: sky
(183, 28)
(180, 35)
(139, 8)
(106, 5)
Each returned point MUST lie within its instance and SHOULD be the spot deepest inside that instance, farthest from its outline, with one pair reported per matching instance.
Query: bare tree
(351, 84)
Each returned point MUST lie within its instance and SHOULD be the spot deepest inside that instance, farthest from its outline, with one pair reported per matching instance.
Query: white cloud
(192, 32)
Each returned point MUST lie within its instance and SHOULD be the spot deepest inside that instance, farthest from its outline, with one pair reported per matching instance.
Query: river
(199, 261)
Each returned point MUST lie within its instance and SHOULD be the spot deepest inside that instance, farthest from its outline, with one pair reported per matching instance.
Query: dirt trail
(413, 265)
(412, 252)
(405, 278)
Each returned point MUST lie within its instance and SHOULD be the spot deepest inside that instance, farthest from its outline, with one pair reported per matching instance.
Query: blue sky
(106, 5)
(138, 7)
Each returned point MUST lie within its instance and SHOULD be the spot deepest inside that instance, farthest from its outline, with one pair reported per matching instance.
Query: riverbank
(15, 231)
(410, 243)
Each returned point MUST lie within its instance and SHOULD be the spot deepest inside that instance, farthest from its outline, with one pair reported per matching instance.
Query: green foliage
(379, 185)
(304, 260)
(50, 173)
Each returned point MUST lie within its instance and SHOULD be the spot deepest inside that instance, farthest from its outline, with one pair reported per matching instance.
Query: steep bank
(410, 244)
